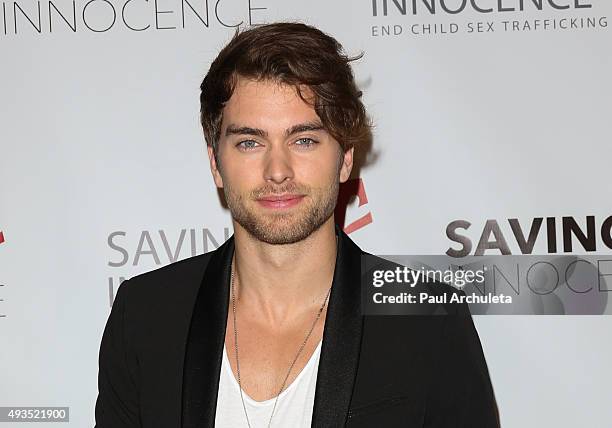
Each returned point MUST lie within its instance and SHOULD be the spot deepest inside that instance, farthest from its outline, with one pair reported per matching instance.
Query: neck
(283, 282)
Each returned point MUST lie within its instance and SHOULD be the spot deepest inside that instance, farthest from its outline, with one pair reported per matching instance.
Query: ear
(347, 165)
(213, 167)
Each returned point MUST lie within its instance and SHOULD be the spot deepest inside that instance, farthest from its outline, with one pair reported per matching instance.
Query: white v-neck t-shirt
(293, 409)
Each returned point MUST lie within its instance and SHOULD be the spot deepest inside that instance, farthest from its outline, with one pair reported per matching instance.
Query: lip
(285, 197)
(280, 201)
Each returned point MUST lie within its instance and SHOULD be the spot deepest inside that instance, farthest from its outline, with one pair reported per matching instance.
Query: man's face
(279, 169)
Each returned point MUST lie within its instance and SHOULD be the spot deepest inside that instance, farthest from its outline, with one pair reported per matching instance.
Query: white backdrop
(103, 167)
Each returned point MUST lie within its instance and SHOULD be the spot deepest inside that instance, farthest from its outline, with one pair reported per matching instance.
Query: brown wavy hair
(295, 54)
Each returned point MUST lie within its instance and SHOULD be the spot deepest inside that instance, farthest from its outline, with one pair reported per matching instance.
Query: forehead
(268, 105)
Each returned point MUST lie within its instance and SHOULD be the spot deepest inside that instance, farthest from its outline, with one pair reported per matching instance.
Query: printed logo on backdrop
(46, 17)
(557, 281)
(441, 18)
(352, 189)
(149, 249)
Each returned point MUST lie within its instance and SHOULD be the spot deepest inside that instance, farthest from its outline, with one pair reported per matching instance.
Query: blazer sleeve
(461, 394)
(117, 402)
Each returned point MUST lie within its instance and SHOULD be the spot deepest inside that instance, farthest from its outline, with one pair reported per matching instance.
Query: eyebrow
(233, 129)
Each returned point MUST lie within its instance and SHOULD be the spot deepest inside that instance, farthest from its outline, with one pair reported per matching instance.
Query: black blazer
(161, 350)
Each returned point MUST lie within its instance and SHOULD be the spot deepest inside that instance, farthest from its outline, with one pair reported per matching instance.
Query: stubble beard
(279, 228)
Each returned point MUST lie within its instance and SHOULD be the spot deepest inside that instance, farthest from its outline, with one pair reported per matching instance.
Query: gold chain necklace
(290, 367)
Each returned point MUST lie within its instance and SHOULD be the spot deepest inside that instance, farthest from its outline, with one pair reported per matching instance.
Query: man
(268, 330)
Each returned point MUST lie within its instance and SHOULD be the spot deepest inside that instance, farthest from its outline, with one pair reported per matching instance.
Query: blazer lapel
(339, 351)
(204, 349)
(341, 338)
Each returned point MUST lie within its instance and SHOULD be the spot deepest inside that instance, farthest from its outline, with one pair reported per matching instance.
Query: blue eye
(305, 142)
(247, 144)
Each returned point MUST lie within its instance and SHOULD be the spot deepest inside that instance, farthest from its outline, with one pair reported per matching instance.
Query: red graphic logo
(1, 237)
(348, 190)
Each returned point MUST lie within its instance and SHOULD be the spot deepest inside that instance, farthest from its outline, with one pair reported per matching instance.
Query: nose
(277, 165)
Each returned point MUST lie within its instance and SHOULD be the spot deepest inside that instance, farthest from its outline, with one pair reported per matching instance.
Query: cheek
(242, 176)
(325, 164)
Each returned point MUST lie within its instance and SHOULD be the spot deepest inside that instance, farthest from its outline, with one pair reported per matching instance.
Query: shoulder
(156, 307)
(400, 328)
(165, 290)
(182, 271)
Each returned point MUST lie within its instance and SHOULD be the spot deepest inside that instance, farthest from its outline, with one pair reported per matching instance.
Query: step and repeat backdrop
(492, 135)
